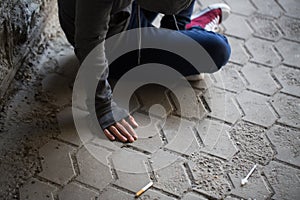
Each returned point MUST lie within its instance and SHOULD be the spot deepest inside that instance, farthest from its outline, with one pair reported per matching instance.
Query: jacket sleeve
(91, 27)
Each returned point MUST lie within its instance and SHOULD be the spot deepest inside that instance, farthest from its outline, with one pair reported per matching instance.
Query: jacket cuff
(111, 116)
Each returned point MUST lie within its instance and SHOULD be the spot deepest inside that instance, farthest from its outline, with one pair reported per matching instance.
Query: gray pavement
(249, 114)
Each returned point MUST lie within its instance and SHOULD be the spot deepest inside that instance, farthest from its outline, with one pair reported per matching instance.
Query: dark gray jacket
(95, 20)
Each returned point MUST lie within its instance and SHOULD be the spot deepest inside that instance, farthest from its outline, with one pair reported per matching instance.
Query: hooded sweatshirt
(95, 20)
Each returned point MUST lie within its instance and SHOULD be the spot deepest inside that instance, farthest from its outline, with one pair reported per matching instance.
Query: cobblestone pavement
(249, 114)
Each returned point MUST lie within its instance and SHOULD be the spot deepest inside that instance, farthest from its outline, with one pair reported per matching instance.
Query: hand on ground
(122, 130)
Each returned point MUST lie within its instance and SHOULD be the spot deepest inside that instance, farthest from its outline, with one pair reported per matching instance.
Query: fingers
(132, 121)
(124, 132)
(129, 128)
(108, 135)
(116, 133)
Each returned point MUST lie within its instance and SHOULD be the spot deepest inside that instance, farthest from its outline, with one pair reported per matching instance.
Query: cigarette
(141, 191)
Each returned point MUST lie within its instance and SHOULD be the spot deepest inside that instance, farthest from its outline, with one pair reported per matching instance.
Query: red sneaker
(210, 17)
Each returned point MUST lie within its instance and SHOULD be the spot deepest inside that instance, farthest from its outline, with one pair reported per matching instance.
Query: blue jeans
(215, 44)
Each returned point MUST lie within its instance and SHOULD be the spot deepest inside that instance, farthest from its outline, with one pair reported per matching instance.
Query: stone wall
(21, 22)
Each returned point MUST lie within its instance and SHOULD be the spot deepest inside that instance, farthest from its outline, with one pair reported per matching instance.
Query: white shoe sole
(197, 77)
(224, 8)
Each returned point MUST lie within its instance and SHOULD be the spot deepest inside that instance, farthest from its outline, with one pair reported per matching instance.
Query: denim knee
(222, 52)
(216, 45)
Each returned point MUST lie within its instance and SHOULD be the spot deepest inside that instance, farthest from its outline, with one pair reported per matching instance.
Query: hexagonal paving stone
(256, 108)
(74, 191)
(131, 169)
(288, 108)
(134, 103)
(222, 105)
(216, 140)
(189, 105)
(263, 52)
(290, 52)
(179, 136)
(287, 144)
(289, 79)
(204, 83)
(148, 134)
(229, 78)
(150, 145)
(154, 94)
(252, 142)
(93, 168)
(205, 3)
(232, 198)
(68, 131)
(260, 79)
(236, 26)
(35, 189)
(115, 194)
(173, 179)
(56, 162)
(238, 53)
(163, 159)
(152, 194)
(102, 141)
(256, 187)
(193, 196)
(239, 166)
(264, 27)
(290, 27)
(243, 7)
(284, 180)
(209, 176)
(291, 6)
(268, 7)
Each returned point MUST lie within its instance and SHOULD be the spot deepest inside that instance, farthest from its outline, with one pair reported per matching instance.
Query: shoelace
(213, 25)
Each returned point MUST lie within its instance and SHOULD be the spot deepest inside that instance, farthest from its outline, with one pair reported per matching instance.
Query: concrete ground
(249, 113)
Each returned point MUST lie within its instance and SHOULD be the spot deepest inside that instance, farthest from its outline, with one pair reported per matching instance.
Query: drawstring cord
(175, 21)
(139, 34)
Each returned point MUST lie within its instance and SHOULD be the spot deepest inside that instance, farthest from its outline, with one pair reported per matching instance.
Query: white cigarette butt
(141, 191)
